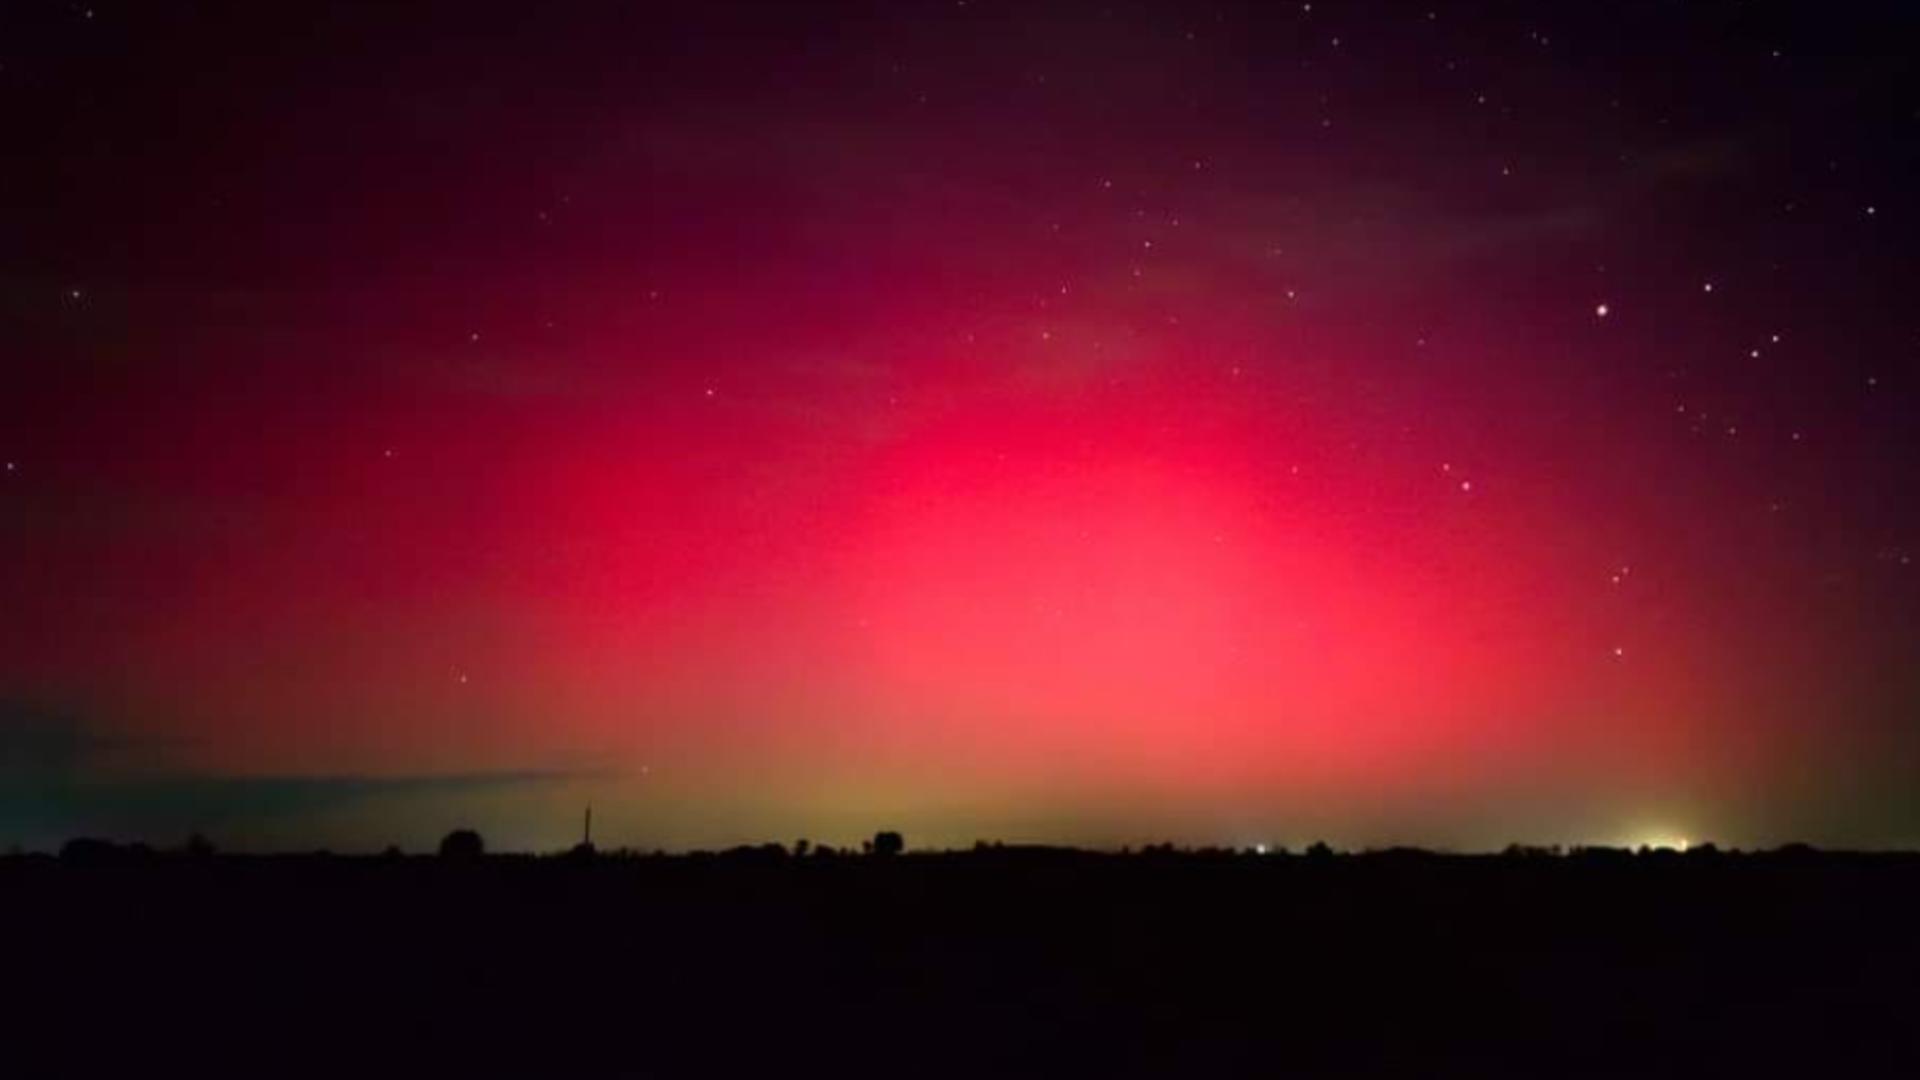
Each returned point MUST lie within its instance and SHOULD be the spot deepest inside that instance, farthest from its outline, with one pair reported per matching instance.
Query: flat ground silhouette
(994, 961)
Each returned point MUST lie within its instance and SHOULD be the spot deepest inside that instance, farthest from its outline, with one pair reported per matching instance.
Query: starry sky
(1093, 423)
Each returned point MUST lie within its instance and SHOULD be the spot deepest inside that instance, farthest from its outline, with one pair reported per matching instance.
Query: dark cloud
(60, 777)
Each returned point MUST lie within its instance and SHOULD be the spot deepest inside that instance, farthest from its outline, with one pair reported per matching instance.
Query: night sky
(1088, 423)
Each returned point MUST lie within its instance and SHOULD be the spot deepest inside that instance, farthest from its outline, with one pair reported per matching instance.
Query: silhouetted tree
(462, 844)
(87, 849)
(1319, 850)
(198, 847)
(801, 847)
(755, 853)
(887, 843)
(91, 850)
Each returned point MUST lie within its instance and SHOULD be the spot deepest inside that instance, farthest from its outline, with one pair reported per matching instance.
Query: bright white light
(1259, 849)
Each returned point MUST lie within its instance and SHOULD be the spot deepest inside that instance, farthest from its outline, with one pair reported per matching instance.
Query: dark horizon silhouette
(465, 843)
(1000, 958)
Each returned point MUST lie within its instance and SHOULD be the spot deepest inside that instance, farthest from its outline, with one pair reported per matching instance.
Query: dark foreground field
(975, 964)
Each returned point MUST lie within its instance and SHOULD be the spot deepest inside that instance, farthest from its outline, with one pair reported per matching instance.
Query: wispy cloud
(60, 778)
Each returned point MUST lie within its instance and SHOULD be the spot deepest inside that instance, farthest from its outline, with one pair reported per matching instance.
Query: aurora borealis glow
(1092, 423)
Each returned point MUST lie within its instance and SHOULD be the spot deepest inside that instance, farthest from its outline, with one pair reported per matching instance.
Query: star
(1601, 310)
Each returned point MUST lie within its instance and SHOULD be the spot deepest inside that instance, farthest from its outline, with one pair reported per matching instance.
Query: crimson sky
(1092, 423)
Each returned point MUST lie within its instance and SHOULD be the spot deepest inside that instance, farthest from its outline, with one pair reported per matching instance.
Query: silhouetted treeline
(999, 959)
(468, 844)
